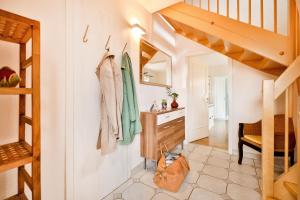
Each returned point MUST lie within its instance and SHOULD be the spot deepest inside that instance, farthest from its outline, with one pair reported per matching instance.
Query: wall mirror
(155, 66)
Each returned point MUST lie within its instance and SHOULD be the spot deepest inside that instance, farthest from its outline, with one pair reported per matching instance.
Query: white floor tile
(237, 192)
(201, 194)
(212, 184)
(192, 177)
(162, 196)
(198, 157)
(147, 179)
(220, 154)
(195, 165)
(245, 161)
(245, 169)
(216, 161)
(183, 193)
(214, 171)
(138, 191)
(244, 180)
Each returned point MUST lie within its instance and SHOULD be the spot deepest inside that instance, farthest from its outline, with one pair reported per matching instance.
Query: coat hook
(106, 45)
(124, 48)
(85, 40)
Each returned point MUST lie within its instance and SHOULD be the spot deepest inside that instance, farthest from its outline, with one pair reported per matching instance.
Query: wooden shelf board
(14, 155)
(15, 91)
(18, 197)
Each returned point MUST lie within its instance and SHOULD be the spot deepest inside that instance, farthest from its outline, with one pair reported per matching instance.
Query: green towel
(130, 114)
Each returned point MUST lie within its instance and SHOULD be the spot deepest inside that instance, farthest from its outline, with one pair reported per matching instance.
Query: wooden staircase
(254, 46)
(261, 49)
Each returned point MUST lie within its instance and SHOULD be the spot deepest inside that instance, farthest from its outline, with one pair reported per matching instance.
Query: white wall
(62, 25)
(97, 175)
(247, 98)
(51, 14)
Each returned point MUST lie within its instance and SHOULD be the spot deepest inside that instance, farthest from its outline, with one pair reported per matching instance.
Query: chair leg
(292, 157)
(240, 152)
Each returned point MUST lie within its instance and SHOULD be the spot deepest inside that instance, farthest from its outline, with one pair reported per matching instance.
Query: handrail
(289, 76)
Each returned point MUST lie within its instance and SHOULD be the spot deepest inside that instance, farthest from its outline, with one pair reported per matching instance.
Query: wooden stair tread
(14, 155)
(292, 188)
(18, 197)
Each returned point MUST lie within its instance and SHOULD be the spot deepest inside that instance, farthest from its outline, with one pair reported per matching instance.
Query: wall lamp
(138, 30)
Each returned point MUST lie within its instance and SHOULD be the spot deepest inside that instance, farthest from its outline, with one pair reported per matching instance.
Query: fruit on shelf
(8, 77)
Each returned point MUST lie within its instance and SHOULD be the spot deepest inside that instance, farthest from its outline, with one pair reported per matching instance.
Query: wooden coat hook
(85, 39)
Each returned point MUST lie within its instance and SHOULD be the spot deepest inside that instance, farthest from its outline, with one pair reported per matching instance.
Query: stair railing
(272, 90)
(233, 10)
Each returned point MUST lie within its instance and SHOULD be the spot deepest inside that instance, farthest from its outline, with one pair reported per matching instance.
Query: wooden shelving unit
(21, 30)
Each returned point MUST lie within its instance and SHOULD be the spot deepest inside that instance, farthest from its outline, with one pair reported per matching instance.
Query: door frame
(231, 135)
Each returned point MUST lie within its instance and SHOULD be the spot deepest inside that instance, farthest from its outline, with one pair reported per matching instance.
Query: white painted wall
(51, 14)
(97, 175)
(247, 98)
(62, 25)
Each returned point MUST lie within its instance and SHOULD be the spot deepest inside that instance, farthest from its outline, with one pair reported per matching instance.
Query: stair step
(292, 188)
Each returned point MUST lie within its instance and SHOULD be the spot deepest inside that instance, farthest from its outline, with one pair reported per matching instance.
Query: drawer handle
(179, 121)
(166, 127)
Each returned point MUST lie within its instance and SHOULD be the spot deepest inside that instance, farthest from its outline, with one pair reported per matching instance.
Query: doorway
(209, 78)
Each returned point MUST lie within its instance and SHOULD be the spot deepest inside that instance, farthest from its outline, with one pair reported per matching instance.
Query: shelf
(14, 155)
(15, 91)
(15, 28)
(18, 197)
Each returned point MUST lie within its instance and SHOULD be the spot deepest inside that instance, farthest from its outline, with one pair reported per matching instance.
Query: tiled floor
(214, 175)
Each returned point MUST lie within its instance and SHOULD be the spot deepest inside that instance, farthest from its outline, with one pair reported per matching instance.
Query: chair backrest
(279, 125)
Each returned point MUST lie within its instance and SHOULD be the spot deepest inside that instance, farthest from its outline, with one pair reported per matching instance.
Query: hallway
(218, 136)
(214, 175)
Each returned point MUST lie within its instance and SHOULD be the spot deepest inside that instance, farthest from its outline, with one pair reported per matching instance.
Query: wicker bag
(170, 177)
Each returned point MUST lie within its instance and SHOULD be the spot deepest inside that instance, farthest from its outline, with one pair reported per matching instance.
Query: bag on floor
(170, 174)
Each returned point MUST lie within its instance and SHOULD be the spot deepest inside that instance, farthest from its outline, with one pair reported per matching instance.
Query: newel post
(268, 139)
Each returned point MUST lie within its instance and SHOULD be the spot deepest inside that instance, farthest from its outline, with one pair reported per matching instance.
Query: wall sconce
(138, 30)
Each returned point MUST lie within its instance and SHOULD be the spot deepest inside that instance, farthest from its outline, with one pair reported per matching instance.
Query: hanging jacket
(111, 98)
(130, 114)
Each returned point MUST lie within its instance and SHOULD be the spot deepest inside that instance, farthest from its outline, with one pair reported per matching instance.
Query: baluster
(275, 16)
(218, 6)
(250, 11)
(227, 8)
(208, 5)
(286, 132)
(238, 10)
(261, 13)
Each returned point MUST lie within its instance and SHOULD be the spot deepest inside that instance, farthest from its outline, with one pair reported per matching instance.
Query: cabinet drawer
(171, 130)
(167, 117)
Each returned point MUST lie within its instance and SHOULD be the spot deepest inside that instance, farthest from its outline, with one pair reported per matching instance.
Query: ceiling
(155, 5)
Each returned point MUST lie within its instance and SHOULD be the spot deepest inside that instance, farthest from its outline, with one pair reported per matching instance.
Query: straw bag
(170, 177)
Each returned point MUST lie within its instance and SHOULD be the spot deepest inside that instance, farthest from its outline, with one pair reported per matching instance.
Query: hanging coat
(130, 114)
(111, 98)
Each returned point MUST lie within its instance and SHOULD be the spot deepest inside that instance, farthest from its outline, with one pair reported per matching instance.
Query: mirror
(155, 66)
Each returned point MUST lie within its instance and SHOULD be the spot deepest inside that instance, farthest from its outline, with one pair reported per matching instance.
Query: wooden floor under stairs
(190, 22)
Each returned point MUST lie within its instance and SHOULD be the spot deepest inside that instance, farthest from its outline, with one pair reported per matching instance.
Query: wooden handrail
(287, 78)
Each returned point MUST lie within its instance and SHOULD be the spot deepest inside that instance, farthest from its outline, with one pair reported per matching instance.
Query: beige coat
(111, 100)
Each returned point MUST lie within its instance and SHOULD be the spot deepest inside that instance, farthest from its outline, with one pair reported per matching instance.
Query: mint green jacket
(130, 114)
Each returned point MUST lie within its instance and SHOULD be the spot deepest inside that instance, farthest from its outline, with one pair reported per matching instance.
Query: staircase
(257, 46)
(254, 46)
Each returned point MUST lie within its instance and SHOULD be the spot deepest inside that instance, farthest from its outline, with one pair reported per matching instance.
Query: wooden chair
(250, 135)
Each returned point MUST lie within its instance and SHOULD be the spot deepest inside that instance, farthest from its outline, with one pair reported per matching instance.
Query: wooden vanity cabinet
(159, 128)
